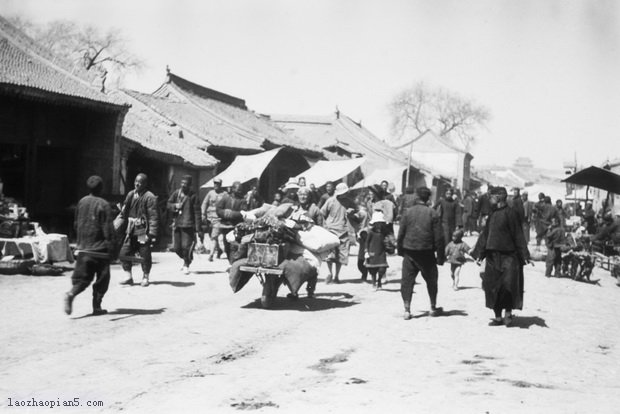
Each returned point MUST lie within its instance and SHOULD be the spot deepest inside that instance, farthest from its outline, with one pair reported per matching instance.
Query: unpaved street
(188, 344)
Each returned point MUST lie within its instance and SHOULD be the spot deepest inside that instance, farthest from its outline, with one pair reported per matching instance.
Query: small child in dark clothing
(554, 239)
(376, 252)
(457, 252)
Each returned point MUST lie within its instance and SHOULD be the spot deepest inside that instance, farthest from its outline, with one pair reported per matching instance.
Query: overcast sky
(549, 71)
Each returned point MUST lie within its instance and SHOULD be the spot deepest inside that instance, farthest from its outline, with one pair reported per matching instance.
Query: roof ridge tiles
(206, 92)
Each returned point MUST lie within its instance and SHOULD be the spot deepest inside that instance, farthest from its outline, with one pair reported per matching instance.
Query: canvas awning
(596, 177)
(391, 175)
(325, 171)
(244, 168)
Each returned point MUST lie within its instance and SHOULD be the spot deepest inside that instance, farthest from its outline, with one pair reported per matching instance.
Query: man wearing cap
(93, 225)
(229, 209)
(140, 211)
(502, 244)
(420, 242)
(290, 191)
(336, 220)
(185, 209)
(210, 217)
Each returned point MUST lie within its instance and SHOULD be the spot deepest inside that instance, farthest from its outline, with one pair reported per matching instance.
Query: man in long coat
(502, 244)
(449, 214)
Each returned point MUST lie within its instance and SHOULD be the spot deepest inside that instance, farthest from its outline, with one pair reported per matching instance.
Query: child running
(457, 252)
(376, 257)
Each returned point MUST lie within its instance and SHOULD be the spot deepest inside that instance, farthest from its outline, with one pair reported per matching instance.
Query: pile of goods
(276, 243)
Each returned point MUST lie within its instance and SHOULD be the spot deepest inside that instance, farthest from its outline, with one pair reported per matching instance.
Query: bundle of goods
(279, 251)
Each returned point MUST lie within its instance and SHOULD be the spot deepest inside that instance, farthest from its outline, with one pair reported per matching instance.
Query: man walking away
(186, 212)
(93, 225)
(420, 242)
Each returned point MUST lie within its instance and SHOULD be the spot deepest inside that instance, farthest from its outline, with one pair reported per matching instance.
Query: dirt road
(188, 344)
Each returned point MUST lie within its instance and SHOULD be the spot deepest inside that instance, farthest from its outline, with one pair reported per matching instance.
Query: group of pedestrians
(421, 239)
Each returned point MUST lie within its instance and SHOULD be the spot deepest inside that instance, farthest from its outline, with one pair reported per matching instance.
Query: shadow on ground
(319, 302)
(207, 272)
(175, 284)
(454, 312)
(127, 313)
(524, 322)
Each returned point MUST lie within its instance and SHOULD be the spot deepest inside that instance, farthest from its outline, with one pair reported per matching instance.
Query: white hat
(377, 217)
(291, 184)
(341, 188)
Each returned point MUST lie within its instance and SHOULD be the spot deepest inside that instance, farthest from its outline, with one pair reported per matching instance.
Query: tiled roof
(26, 65)
(146, 127)
(193, 119)
(236, 117)
(326, 131)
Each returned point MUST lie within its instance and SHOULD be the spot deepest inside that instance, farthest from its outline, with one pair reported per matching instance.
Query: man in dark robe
(502, 244)
(517, 204)
(528, 208)
(484, 209)
(539, 226)
(449, 214)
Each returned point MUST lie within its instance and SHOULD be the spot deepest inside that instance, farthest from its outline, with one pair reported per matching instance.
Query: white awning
(324, 171)
(244, 168)
(391, 175)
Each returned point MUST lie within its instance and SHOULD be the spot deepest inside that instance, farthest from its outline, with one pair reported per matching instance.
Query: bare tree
(422, 108)
(85, 46)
